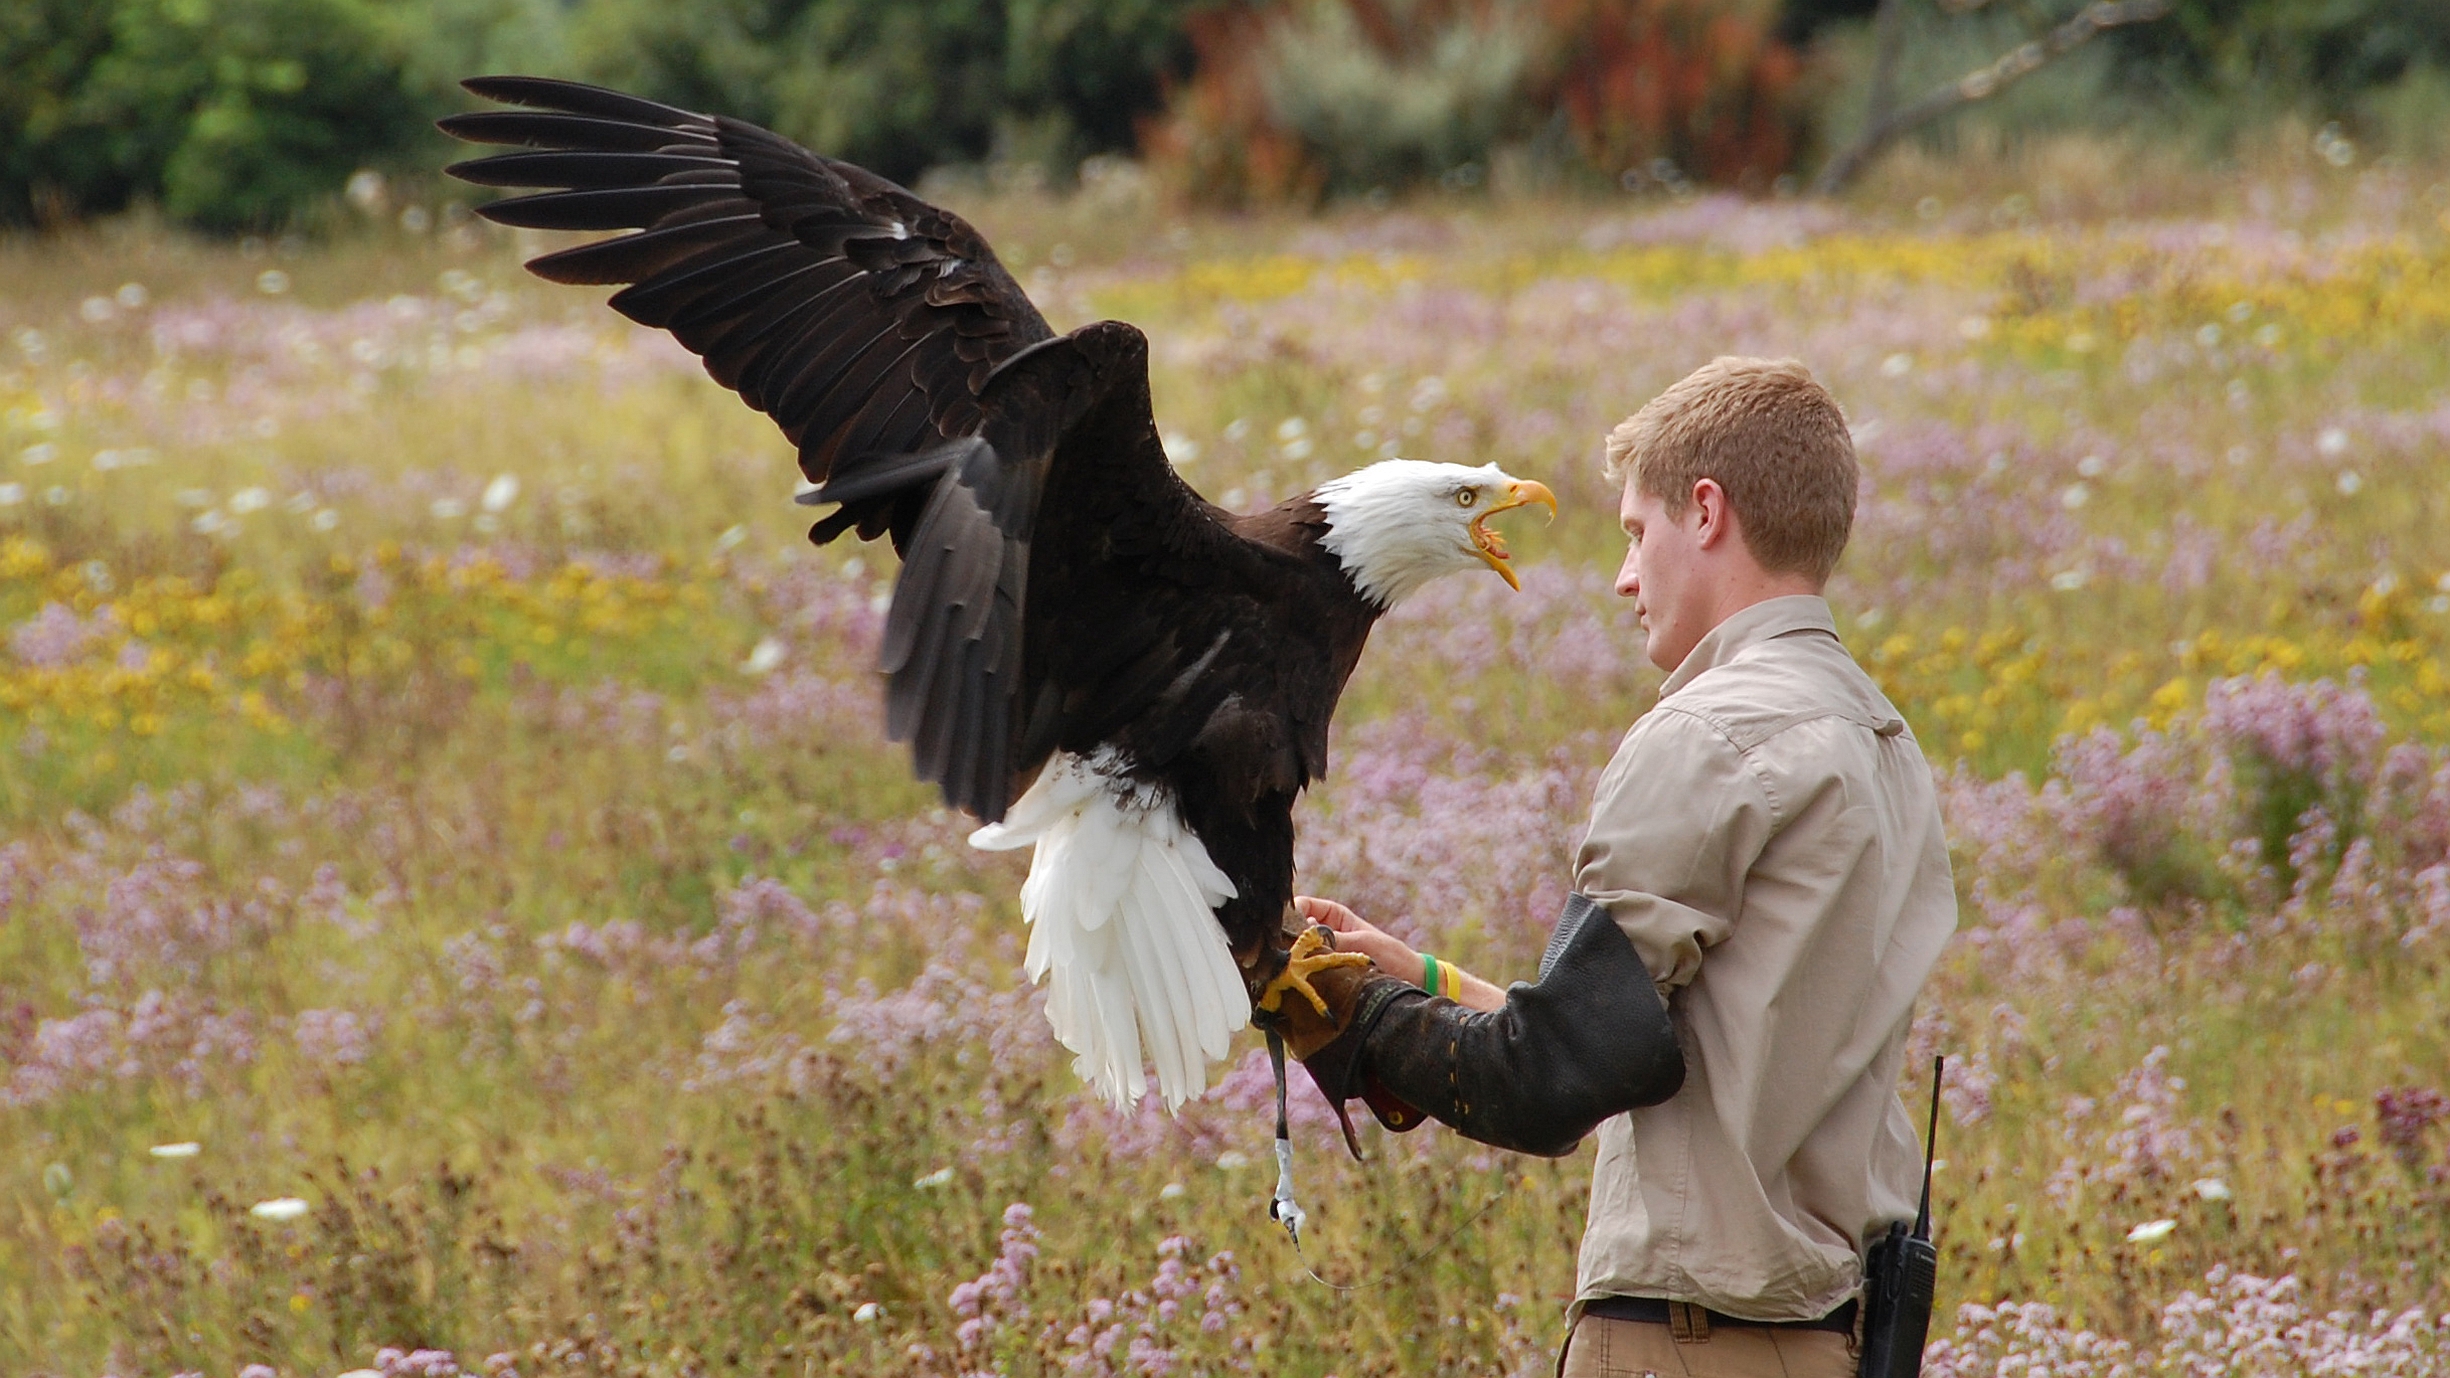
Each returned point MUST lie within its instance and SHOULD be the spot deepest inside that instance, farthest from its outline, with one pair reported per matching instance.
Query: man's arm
(1678, 819)
(1590, 1039)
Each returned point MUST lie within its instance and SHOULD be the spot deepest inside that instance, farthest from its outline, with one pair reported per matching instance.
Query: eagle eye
(1466, 497)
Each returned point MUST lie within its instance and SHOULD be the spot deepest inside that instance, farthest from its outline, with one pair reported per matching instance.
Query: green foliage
(894, 86)
(245, 114)
(249, 114)
(2082, 91)
(2329, 49)
(2212, 75)
(47, 149)
(1379, 119)
(2411, 116)
(228, 113)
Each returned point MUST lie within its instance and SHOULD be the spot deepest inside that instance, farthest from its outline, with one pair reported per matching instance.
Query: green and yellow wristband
(1441, 978)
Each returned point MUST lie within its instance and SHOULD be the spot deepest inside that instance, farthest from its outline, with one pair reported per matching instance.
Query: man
(1763, 889)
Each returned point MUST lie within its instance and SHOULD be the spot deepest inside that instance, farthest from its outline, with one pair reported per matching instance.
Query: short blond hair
(1771, 436)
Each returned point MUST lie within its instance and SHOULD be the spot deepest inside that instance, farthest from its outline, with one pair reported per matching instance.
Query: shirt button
(1891, 727)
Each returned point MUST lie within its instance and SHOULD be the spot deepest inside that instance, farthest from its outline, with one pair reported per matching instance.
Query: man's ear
(1716, 515)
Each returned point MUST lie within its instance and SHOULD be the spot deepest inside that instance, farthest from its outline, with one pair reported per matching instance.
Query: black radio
(1899, 1276)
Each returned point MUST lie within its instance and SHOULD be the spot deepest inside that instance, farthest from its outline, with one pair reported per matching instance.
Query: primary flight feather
(1081, 651)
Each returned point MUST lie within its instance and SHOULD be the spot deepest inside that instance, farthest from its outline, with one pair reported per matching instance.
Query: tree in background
(1886, 120)
(1706, 85)
(899, 86)
(2330, 50)
(2204, 71)
(1308, 97)
(228, 113)
(236, 115)
(244, 114)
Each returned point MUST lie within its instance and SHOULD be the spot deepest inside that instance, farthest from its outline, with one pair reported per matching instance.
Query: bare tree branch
(1984, 82)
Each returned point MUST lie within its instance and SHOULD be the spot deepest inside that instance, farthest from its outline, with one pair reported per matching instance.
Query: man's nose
(1629, 579)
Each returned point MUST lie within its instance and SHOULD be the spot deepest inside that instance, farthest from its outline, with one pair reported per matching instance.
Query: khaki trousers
(1603, 1348)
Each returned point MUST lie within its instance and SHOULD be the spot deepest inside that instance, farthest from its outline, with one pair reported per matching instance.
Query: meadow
(461, 915)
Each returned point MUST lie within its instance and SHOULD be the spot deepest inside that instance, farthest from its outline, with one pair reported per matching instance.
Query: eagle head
(1400, 523)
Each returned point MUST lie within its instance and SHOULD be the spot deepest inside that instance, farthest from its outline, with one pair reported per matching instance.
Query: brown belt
(1656, 1311)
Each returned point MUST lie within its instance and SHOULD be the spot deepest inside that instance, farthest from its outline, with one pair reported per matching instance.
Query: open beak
(1492, 547)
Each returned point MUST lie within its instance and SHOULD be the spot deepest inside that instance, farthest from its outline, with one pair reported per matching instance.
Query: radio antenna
(1931, 1144)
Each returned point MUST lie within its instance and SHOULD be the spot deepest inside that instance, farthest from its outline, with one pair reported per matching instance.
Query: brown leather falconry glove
(1589, 1040)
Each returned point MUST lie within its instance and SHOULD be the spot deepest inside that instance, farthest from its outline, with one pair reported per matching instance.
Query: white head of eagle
(1400, 523)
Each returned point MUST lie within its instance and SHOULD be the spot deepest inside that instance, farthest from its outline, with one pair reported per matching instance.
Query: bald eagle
(1081, 651)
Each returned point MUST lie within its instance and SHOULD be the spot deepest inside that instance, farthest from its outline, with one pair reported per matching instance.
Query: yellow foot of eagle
(1309, 957)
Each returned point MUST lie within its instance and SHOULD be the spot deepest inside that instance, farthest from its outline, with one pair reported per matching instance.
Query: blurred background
(229, 115)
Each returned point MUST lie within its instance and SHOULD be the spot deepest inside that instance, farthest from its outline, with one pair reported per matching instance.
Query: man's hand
(1356, 934)
(1390, 953)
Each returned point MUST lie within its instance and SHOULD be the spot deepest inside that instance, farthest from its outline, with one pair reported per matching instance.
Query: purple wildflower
(331, 1038)
(2407, 1114)
(55, 636)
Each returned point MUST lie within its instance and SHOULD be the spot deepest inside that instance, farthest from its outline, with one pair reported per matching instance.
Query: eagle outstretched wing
(1061, 586)
(861, 318)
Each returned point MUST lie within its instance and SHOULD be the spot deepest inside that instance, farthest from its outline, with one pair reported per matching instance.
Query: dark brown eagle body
(1205, 651)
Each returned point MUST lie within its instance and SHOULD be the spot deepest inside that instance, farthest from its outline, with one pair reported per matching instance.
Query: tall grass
(445, 791)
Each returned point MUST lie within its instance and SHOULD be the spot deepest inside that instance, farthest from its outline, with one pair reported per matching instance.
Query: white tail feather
(1121, 902)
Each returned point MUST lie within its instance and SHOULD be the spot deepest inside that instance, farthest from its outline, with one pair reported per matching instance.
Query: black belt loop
(1691, 1324)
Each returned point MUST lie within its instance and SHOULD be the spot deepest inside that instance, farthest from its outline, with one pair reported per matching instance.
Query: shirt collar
(1769, 618)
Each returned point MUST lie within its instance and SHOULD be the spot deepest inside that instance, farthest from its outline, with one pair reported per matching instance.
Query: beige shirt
(1770, 839)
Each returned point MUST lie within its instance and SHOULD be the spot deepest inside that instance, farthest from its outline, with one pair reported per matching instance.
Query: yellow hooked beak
(1492, 547)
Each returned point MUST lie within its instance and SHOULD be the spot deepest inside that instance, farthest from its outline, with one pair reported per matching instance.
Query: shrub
(1340, 96)
(229, 113)
(1378, 104)
(241, 114)
(1703, 84)
(52, 157)
(2258, 47)
(893, 86)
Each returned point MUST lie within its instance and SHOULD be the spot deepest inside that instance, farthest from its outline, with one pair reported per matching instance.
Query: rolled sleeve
(1679, 817)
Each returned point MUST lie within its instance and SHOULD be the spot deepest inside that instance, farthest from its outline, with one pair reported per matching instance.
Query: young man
(1763, 889)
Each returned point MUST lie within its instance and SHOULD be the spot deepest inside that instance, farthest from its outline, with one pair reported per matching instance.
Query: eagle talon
(1310, 956)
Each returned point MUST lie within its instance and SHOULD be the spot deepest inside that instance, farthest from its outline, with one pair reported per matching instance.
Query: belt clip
(1689, 1323)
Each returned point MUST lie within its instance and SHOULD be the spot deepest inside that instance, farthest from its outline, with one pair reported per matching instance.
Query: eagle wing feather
(861, 318)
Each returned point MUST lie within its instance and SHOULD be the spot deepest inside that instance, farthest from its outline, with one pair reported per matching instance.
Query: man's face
(1661, 575)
